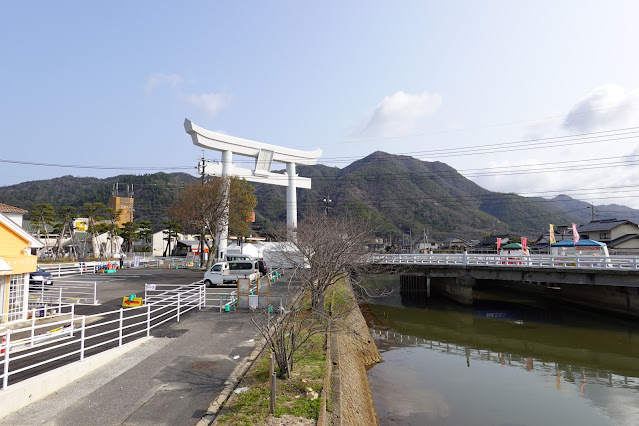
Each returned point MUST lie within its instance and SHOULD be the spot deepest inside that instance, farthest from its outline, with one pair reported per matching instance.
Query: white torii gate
(265, 155)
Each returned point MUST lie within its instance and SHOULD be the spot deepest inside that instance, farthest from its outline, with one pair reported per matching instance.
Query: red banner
(524, 245)
(498, 244)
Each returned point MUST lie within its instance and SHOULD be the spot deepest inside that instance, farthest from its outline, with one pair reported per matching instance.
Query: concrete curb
(21, 394)
(231, 383)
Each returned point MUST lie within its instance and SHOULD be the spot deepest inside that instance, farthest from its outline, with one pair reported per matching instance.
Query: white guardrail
(532, 261)
(64, 291)
(75, 268)
(65, 335)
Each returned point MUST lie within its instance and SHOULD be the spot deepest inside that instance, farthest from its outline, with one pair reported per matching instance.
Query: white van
(229, 272)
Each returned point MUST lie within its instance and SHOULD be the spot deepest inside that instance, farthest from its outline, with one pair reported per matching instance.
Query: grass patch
(252, 406)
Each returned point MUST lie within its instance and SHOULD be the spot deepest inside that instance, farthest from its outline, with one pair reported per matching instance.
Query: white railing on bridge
(41, 343)
(494, 260)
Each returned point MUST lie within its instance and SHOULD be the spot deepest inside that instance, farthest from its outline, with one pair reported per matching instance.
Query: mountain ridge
(395, 193)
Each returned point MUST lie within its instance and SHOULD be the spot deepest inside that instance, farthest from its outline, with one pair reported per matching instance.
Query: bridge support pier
(460, 289)
(418, 287)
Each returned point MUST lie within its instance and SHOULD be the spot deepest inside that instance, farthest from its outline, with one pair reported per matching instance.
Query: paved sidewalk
(171, 379)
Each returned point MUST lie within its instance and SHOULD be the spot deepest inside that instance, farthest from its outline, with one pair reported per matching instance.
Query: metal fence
(532, 261)
(65, 291)
(66, 337)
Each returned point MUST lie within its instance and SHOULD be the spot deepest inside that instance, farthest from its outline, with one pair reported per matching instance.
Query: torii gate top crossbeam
(221, 142)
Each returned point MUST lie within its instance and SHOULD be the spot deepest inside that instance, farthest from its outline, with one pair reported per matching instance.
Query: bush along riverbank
(327, 384)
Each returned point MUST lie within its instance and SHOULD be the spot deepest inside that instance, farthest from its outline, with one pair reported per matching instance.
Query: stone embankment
(352, 351)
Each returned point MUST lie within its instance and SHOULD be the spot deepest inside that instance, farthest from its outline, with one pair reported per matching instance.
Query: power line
(81, 166)
(539, 143)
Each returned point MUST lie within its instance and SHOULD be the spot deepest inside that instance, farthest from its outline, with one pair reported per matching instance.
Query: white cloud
(604, 107)
(542, 178)
(603, 160)
(398, 114)
(209, 103)
(161, 79)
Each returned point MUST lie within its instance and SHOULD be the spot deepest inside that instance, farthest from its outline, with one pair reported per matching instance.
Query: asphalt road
(170, 380)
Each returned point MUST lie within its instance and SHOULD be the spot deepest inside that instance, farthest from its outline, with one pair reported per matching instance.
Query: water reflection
(510, 359)
(387, 340)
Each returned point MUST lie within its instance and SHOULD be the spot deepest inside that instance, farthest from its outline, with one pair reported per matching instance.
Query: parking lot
(170, 379)
(111, 288)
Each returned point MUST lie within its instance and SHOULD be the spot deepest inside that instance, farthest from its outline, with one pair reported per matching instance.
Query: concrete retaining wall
(353, 351)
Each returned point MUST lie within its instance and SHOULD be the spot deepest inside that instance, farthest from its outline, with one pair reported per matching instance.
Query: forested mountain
(395, 193)
(153, 193)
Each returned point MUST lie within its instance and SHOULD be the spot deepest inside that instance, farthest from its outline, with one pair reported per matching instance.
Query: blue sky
(110, 83)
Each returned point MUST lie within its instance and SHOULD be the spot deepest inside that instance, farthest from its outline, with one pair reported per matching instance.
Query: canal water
(510, 359)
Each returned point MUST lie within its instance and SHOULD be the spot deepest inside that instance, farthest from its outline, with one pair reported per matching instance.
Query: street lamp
(326, 202)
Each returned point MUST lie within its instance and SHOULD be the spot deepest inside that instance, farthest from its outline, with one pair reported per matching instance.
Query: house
(44, 233)
(561, 232)
(426, 246)
(617, 234)
(16, 263)
(490, 244)
(161, 245)
(13, 213)
(453, 242)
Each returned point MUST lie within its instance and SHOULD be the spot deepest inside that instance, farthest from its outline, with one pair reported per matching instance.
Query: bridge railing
(506, 261)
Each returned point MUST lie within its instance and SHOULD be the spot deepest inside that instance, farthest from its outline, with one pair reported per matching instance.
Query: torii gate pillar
(265, 155)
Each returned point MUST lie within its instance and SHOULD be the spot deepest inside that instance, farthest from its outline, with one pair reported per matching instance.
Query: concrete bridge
(607, 283)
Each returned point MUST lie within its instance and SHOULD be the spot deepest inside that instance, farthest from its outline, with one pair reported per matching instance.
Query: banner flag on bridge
(498, 244)
(524, 245)
(575, 234)
(552, 234)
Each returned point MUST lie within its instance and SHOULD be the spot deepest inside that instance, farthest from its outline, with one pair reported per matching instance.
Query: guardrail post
(82, 334)
(59, 300)
(6, 344)
(95, 292)
(178, 308)
(121, 321)
(148, 320)
(33, 326)
(465, 258)
(72, 318)
(220, 303)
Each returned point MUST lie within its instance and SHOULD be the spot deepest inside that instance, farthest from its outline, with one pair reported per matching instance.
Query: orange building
(125, 205)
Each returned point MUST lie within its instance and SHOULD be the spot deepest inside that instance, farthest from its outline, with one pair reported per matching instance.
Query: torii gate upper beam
(265, 155)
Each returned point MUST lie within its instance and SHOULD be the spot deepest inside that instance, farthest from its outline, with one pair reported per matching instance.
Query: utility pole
(201, 168)
(592, 212)
(410, 240)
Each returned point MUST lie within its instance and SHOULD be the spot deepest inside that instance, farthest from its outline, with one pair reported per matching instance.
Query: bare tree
(326, 250)
(288, 332)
